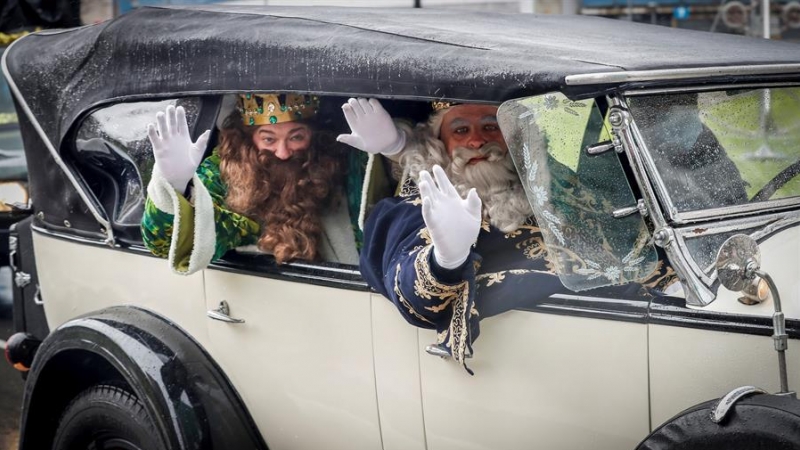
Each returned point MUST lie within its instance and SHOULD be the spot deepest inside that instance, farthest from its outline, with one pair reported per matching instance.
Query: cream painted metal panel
(780, 257)
(541, 381)
(689, 366)
(77, 278)
(397, 377)
(302, 361)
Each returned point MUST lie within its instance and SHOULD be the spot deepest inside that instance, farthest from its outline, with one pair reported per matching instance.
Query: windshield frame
(671, 211)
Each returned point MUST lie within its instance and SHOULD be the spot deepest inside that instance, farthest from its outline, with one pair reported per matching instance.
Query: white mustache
(492, 151)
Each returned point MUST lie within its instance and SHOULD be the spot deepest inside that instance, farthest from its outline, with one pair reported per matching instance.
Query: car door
(302, 357)
(568, 371)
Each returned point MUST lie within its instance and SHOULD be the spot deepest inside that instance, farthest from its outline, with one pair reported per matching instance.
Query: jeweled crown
(440, 105)
(265, 109)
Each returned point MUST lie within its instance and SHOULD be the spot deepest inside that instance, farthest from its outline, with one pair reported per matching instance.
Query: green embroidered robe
(231, 229)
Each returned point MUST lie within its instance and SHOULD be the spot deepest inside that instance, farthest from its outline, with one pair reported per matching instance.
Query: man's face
(471, 127)
(282, 139)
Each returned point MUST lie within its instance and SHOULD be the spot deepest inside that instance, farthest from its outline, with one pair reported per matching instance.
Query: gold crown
(440, 105)
(265, 109)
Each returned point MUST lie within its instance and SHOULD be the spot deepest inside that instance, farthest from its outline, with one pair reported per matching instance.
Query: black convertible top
(398, 53)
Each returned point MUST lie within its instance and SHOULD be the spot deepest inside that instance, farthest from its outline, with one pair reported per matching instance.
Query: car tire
(758, 422)
(106, 417)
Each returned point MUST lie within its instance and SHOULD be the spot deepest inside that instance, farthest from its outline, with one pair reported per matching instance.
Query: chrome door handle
(440, 351)
(221, 313)
(437, 350)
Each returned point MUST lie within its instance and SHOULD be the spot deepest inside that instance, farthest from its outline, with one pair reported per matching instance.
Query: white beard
(495, 180)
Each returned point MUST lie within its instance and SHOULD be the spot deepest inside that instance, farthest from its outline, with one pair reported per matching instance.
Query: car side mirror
(737, 260)
(738, 263)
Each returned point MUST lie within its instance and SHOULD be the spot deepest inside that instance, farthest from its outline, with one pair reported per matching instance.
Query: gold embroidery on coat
(403, 300)
(428, 287)
(499, 277)
(457, 295)
(408, 189)
(496, 278)
(425, 235)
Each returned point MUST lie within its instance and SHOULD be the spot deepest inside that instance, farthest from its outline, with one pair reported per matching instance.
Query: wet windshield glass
(723, 148)
(573, 194)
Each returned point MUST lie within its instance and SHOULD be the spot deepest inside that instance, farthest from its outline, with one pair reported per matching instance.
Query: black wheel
(106, 417)
(760, 422)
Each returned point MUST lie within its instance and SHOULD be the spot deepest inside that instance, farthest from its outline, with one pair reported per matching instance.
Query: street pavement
(10, 390)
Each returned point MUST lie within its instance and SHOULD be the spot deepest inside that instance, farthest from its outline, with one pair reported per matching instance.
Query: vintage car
(691, 138)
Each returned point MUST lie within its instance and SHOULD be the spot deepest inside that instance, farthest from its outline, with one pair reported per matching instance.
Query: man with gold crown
(462, 244)
(275, 181)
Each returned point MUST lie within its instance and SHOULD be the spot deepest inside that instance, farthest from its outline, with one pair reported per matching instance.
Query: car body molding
(189, 399)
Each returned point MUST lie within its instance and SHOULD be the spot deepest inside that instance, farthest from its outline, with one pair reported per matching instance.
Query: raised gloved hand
(176, 156)
(453, 222)
(372, 129)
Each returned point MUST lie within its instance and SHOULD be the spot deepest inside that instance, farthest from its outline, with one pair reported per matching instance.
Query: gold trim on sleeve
(403, 300)
(456, 295)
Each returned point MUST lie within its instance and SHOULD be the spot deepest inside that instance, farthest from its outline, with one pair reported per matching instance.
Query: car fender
(188, 397)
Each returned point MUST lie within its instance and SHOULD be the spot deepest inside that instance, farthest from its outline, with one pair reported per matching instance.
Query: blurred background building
(726, 16)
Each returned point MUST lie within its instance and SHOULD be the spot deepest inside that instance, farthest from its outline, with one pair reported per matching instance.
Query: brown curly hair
(286, 197)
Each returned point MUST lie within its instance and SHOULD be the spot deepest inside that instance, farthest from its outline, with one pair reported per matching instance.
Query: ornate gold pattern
(499, 277)
(474, 311)
(428, 287)
(533, 247)
(403, 299)
(440, 105)
(409, 189)
(425, 235)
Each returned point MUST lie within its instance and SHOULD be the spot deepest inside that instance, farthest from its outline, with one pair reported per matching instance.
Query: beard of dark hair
(287, 197)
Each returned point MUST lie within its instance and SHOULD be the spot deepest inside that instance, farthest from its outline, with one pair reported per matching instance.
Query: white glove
(372, 128)
(176, 156)
(453, 222)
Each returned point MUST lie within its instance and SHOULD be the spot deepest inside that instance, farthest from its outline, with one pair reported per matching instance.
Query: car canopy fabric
(395, 53)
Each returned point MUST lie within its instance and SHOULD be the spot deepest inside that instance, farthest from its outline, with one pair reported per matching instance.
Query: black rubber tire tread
(761, 422)
(105, 411)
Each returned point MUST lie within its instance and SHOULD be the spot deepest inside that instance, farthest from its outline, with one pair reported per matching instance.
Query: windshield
(12, 158)
(723, 148)
(574, 195)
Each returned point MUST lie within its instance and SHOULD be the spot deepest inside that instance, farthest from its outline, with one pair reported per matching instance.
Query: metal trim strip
(705, 88)
(670, 312)
(679, 74)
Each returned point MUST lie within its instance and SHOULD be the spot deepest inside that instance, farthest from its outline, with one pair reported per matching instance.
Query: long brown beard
(285, 196)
